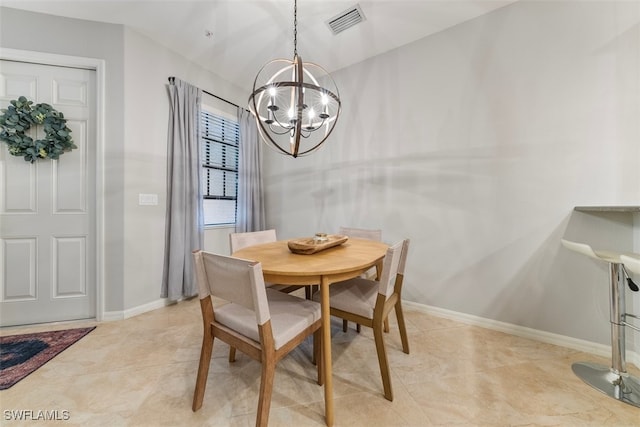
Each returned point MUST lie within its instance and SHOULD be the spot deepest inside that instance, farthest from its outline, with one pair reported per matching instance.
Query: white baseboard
(131, 312)
(521, 331)
(509, 328)
(110, 316)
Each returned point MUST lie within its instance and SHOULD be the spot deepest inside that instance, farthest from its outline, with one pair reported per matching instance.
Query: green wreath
(18, 119)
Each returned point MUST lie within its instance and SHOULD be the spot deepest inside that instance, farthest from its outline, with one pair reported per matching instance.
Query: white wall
(477, 143)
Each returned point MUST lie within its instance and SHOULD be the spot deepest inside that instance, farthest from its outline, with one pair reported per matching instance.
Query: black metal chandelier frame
(268, 114)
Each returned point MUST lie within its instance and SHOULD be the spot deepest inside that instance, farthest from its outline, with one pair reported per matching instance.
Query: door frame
(98, 65)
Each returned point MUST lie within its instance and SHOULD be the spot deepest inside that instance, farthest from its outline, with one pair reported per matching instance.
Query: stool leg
(616, 312)
(613, 381)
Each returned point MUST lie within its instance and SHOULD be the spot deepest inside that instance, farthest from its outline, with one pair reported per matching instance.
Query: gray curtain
(250, 215)
(184, 229)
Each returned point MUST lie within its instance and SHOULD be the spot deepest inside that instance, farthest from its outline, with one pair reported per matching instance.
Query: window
(219, 144)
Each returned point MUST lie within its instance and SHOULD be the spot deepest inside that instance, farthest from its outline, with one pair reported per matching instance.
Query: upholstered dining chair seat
(356, 296)
(289, 315)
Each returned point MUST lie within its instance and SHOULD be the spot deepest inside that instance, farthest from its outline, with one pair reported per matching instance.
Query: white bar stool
(613, 381)
(632, 262)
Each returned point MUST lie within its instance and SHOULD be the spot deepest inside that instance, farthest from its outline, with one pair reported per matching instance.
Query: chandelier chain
(295, 28)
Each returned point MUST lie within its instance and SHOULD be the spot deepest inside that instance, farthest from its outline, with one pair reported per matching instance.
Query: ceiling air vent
(346, 19)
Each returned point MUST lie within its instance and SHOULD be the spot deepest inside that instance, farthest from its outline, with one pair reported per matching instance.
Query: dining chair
(369, 304)
(372, 273)
(239, 241)
(262, 323)
(364, 233)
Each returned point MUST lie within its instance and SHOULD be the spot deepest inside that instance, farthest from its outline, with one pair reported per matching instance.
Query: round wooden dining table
(348, 260)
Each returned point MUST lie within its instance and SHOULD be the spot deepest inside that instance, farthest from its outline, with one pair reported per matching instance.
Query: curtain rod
(172, 79)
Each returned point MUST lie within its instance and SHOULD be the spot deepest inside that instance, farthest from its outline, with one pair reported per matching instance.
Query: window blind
(219, 143)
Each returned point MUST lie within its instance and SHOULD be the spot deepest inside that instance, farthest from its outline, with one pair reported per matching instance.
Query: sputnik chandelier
(296, 104)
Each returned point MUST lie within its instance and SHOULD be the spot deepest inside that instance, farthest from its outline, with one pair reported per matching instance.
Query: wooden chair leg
(266, 390)
(345, 326)
(317, 354)
(314, 354)
(203, 371)
(402, 327)
(309, 291)
(386, 324)
(382, 360)
(232, 354)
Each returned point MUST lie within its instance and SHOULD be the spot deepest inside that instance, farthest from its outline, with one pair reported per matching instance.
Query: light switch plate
(147, 199)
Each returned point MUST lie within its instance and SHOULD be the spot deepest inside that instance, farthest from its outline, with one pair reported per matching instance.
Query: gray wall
(147, 66)
(135, 160)
(45, 33)
(476, 143)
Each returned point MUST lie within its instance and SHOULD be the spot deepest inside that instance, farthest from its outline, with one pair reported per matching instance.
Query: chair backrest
(403, 257)
(235, 280)
(361, 233)
(238, 241)
(390, 267)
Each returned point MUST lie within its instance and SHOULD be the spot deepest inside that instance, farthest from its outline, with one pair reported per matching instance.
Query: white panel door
(47, 208)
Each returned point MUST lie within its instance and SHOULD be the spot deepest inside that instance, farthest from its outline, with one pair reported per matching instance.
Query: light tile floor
(141, 372)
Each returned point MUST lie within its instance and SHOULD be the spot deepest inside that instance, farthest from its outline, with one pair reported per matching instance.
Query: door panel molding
(65, 250)
(74, 164)
(69, 93)
(13, 86)
(14, 253)
(13, 201)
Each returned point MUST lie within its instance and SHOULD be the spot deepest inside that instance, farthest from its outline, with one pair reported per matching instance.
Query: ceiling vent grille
(346, 19)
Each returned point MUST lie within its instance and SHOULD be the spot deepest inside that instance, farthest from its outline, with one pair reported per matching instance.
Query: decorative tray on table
(311, 245)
